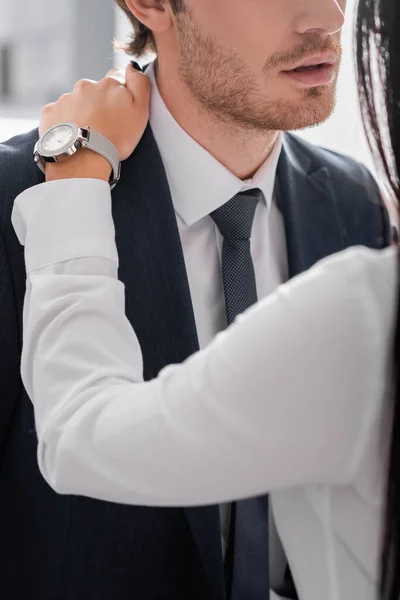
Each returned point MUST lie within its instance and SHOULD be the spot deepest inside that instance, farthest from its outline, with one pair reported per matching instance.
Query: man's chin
(314, 107)
(312, 111)
(307, 123)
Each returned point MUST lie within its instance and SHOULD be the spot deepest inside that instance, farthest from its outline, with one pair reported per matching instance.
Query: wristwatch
(64, 140)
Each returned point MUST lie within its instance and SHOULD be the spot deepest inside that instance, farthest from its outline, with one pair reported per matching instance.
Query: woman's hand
(117, 107)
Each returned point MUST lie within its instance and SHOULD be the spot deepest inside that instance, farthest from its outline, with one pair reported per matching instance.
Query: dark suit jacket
(69, 548)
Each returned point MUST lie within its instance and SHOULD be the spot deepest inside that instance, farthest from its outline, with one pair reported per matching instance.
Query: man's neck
(241, 151)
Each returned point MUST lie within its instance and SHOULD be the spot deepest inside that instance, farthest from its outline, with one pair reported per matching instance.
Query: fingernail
(136, 66)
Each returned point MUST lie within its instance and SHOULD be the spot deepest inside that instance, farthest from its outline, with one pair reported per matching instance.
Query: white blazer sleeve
(282, 398)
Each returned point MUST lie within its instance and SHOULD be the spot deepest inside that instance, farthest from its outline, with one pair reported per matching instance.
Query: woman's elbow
(55, 465)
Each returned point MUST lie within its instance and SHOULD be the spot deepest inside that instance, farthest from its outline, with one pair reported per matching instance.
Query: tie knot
(234, 219)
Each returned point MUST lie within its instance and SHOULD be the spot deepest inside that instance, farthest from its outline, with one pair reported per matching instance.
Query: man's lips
(315, 70)
(325, 58)
(320, 75)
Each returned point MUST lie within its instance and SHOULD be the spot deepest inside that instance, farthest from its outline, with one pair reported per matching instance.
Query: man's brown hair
(142, 39)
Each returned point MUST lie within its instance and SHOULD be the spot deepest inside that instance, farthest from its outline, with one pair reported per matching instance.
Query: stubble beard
(219, 80)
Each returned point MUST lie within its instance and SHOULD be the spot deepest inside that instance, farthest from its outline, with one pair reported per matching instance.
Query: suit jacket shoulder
(346, 173)
(17, 173)
(357, 194)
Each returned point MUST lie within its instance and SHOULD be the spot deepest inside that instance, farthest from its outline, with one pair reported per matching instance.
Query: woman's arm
(281, 398)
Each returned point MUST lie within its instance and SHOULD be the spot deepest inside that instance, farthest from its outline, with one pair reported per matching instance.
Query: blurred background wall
(47, 45)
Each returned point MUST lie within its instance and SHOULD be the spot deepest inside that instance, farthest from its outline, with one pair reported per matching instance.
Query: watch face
(58, 139)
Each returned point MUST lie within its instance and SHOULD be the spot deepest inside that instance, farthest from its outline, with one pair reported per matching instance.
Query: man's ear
(154, 14)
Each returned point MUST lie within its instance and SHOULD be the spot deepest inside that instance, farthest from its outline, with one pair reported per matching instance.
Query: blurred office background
(47, 45)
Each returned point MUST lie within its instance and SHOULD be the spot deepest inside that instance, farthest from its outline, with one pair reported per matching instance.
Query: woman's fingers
(139, 85)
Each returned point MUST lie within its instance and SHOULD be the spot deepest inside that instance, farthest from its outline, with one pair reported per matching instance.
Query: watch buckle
(114, 181)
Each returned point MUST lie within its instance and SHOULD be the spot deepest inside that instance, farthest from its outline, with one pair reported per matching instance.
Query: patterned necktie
(247, 564)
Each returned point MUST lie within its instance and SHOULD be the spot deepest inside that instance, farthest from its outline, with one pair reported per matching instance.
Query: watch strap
(99, 143)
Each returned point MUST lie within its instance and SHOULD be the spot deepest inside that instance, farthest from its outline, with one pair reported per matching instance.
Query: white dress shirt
(287, 400)
(199, 185)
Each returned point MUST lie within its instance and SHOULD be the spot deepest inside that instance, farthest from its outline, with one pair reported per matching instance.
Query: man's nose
(324, 17)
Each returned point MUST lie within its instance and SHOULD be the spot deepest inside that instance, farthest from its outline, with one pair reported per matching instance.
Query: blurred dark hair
(378, 62)
(142, 38)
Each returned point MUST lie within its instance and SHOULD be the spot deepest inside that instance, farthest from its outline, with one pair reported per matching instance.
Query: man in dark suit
(169, 229)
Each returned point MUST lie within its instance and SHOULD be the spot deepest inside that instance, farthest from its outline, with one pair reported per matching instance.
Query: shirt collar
(200, 184)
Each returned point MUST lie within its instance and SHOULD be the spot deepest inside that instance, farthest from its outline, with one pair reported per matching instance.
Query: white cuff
(63, 220)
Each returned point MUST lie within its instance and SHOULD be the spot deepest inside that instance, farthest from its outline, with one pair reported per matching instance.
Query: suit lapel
(158, 302)
(152, 266)
(307, 200)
